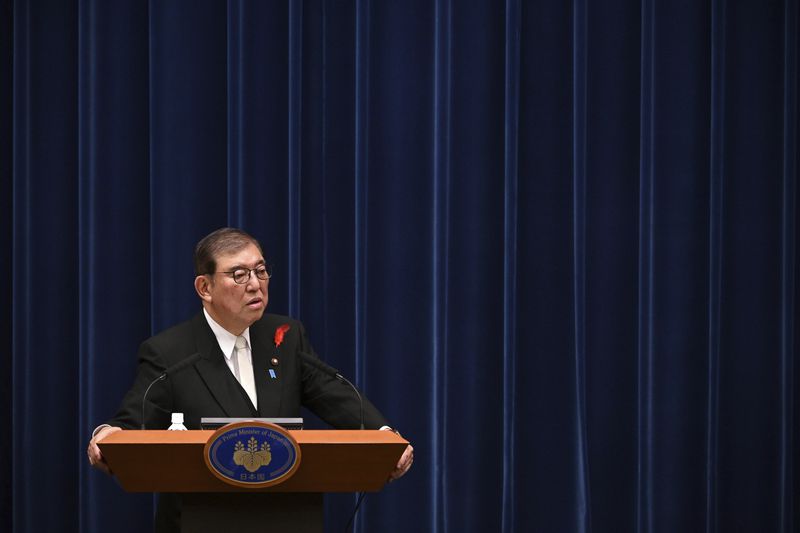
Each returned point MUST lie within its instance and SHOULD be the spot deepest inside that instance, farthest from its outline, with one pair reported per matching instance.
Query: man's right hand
(96, 458)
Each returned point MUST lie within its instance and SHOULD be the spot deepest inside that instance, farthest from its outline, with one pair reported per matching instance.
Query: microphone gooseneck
(328, 369)
(177, 367)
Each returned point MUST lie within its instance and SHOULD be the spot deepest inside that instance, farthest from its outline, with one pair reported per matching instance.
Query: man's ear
(203, 285)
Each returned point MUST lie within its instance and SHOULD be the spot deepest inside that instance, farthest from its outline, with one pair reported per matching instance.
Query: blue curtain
(555, 243)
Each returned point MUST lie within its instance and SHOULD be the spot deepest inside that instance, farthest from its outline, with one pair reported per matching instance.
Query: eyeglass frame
(250, 271)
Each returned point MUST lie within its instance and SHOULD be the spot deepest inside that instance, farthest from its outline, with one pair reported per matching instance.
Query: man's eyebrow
(238, 266)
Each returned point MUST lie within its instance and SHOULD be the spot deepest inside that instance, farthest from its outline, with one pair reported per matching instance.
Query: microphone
(177, 367)
(328, 369)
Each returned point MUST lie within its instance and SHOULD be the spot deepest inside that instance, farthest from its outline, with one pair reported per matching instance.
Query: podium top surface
(331, 461)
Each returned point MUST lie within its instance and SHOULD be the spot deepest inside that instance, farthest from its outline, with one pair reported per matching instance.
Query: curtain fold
(109, 246)
(6, 267)
(788, 409)
(440, 267)
(646, 443)
(510, 244)
(715, 221)
(580, 53)
(554, 242)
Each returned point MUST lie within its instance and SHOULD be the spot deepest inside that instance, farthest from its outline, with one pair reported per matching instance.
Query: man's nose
(253, 282)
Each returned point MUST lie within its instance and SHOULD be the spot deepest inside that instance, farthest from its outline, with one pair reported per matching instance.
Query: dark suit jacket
(207, 388)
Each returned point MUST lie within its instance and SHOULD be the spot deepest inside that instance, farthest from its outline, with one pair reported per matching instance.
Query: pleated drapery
(554, 242)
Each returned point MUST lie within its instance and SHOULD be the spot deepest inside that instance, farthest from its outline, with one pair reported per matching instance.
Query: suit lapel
(215, 372)
(268, 388)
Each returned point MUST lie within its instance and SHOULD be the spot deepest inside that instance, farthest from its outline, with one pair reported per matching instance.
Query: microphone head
(319, 364)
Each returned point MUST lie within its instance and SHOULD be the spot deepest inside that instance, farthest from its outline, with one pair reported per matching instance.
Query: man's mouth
(255, 303)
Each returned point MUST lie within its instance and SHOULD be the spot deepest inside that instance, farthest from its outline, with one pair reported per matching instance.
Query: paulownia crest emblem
(254, 457)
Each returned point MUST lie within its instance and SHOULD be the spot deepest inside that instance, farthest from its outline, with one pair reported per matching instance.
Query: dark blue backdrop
(554, 241)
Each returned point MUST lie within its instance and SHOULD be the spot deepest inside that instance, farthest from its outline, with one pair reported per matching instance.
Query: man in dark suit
(249, 363)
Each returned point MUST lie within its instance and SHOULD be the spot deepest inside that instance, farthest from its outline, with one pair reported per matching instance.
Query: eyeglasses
(242, 275)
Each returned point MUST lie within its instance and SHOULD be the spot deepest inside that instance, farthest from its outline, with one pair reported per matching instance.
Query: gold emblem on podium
(252, 454)
(254, 457)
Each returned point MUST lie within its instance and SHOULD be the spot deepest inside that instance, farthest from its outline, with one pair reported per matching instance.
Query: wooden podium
(331, 461)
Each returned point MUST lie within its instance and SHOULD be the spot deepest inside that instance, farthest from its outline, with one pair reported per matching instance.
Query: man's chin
(256, 314)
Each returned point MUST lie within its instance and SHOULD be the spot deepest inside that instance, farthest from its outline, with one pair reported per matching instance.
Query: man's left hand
(403, 464)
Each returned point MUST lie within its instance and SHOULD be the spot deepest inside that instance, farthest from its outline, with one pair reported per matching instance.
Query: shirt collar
(225, 339)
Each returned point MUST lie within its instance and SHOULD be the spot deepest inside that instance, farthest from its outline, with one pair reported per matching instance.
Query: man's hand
(403, 464)
(96, 458)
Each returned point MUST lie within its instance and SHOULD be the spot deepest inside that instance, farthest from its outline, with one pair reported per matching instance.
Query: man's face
(232, 305)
